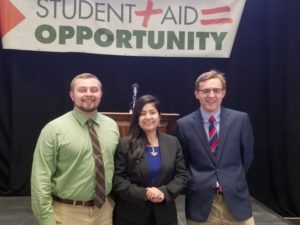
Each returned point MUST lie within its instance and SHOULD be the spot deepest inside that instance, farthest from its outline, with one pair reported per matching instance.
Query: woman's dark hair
(137, 138)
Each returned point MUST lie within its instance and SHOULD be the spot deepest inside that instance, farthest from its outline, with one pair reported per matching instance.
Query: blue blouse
(153, 159)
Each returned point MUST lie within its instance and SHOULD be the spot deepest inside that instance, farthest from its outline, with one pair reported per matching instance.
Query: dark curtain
(263, 75)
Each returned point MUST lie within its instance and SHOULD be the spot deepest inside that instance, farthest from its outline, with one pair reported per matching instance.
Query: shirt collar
(82, 118)
(206, 115)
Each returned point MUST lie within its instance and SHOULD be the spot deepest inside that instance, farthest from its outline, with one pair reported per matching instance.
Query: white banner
(165, 28)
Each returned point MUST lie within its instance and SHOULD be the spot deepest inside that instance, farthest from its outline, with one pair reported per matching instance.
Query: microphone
(135, 87)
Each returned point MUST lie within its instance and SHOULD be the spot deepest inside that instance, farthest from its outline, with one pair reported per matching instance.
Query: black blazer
(235, 154)
(131, 177)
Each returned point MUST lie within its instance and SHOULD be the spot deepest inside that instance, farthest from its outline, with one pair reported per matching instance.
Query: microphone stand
(132, 104)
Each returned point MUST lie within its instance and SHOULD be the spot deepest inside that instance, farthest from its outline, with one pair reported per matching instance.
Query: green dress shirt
(63, 163)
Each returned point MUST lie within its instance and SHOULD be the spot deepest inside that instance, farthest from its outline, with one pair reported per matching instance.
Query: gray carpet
(17, 211)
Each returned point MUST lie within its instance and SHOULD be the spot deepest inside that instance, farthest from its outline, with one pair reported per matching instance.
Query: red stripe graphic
(216, 10)
(222, 9)
(216, 21)
(148, 12)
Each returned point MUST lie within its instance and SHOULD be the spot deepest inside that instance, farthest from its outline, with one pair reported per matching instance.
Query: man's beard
(89, 108)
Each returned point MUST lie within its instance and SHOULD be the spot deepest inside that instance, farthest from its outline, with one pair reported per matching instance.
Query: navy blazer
(132, 176)
(235, 155)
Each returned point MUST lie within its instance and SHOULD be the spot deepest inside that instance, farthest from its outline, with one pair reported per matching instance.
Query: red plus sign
(148, 12)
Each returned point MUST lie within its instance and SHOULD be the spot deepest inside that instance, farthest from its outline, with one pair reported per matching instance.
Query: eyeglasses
(216, 91)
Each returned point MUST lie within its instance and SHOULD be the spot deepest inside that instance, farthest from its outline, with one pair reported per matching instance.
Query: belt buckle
(87, 204)
(81, 203)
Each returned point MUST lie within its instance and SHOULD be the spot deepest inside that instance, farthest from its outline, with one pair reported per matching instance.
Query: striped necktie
(213, 137)
(100, 183)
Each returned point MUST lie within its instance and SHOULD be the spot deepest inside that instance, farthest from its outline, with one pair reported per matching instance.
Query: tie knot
(89, 122)
(212, 119)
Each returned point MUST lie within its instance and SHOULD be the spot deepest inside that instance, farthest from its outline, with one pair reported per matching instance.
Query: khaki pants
(220, 215)
(81, 215)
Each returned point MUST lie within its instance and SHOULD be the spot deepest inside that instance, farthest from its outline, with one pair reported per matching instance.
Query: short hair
(212, 74)
(84, 76)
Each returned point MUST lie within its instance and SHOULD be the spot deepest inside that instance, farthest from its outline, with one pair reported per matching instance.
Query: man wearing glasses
(218, 147)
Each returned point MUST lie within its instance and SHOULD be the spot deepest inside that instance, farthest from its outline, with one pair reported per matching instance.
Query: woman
(149, 170)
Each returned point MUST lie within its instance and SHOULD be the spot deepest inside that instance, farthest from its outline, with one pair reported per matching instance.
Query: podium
(167, 121)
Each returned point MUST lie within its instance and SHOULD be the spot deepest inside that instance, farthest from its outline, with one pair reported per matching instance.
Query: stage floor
(17, 211)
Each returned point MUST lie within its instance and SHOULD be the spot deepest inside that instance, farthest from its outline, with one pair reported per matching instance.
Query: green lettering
(202, 39)
(83, 33)
(191, 40)
(123, 38)
(45, 34)
(160, 39)
(139, 34)
(108, 36)
(173, 39)
(218, 39)
(65, 32)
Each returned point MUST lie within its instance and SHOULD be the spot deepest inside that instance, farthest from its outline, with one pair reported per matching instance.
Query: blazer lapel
(163, 145)
(200, 131)
(224, 125)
